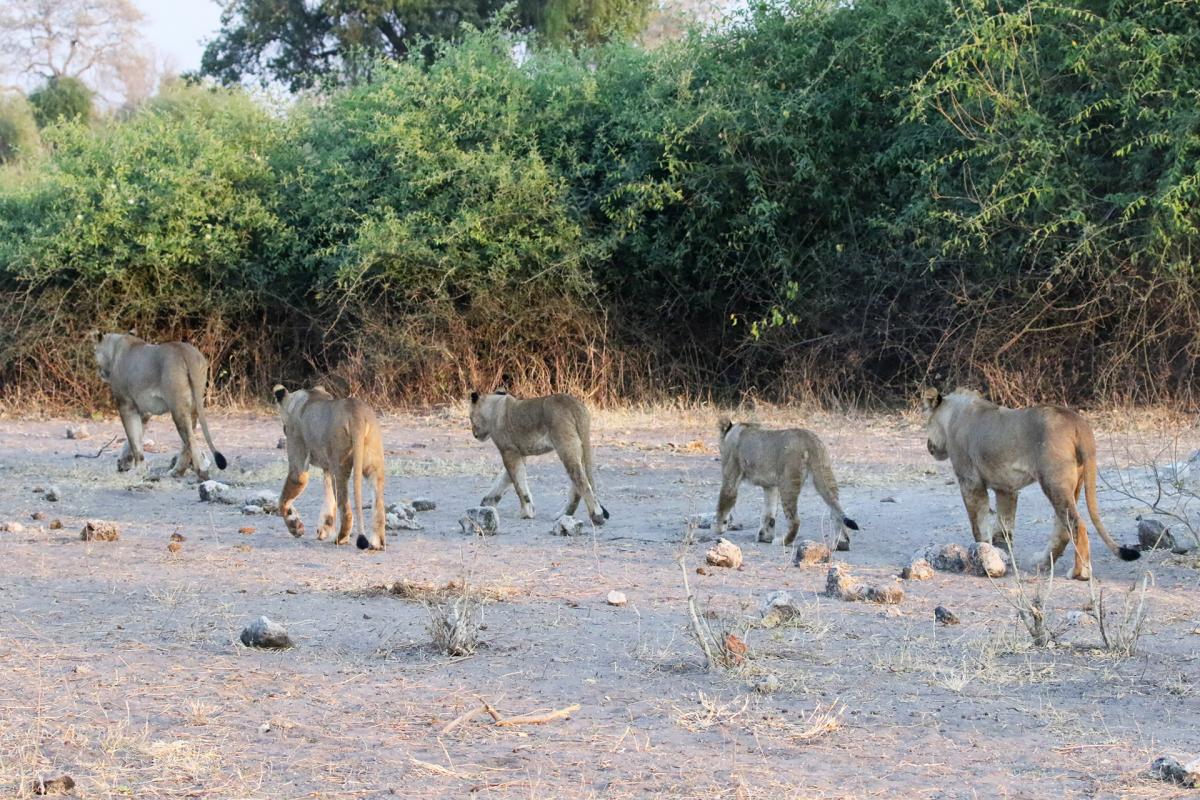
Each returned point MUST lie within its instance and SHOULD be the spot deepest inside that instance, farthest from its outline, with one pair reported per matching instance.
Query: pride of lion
(991, 448)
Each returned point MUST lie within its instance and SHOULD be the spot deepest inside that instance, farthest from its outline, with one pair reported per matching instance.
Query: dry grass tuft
(1121, 630)
(454, 622)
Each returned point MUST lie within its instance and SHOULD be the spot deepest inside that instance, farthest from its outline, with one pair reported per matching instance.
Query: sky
(175, 28)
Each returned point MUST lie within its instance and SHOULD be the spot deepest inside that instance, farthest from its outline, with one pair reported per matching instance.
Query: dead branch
(538, 719)
(100, 451)
(701, 633)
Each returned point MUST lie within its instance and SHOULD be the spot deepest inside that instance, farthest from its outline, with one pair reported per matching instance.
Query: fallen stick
(462, 718)
(98, 452)
(697, 629)
(537, 719)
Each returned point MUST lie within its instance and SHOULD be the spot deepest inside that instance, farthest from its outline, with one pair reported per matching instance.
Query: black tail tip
(1129, 553)
(605, 510)
(849, 523)
(362, 543)
(220, 459)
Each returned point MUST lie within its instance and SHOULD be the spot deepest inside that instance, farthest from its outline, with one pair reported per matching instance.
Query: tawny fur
(778, 461)
(1004, 450)
(342, 437)
(533, 427)
(151, 379)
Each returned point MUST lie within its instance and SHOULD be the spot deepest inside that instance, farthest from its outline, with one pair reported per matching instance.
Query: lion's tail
(1086, 453)
(826, 485)
(198, 378)
(357, 475)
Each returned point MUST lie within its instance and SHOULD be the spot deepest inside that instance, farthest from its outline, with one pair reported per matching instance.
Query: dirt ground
(122, 666)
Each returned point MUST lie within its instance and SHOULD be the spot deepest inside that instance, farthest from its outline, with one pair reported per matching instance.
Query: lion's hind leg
(341, 488)
(766, 531)
(328, 508)
(184, 421)
(293, 487)
(133, 422)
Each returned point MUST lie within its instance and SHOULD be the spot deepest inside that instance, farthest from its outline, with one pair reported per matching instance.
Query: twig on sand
(100, 451)
(702, 633)
(505, 722)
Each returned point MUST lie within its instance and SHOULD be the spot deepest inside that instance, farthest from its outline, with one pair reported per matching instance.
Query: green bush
(61, 98)
(18, 129)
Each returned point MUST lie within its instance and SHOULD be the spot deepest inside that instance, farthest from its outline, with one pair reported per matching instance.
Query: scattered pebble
(174, 547)
(810, 552)
(768, 685)
(265, 499)
(38, 515)
(947, 558)
(945, 616)
(250, 510)
(399, 522)
(282, 443)
(60, 785)
(53, 494)
(724, 554)
(987, 560)
(885, 595)
(735, 648)
(215, 492)
(918, 570)
(567, 526)
(1153, 535)
(424, 504)
(12, 527)
(56, 524)
(889, 500)
(78, 432)
(703, 571)
(1168, 769)
(616, 598)
(481, 521)
(246, 530)
(95, 530)
(701, 521)
(178, 537)
(777, 609)
(265, 633)
(841, 584)
(1080, 619)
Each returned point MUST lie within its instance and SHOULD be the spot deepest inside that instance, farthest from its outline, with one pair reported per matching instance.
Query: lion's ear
(96, 336)
(505, 384)
(931, 398)
(279, 392)
(723, 425)
(132, 331)
(474, 398)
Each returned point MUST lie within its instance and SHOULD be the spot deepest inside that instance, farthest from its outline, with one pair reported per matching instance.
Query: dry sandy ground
(122, 668)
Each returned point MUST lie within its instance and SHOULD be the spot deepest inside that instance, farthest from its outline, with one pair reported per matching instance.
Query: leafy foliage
(61, 98)
(18, 129)
(819, 199)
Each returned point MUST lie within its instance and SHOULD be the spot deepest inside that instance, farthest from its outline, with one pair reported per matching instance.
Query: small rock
(246, 530)
(12, 527)
(174, 547)
(178, 537)
(702, 521)
(95, 530)
(945, 616)
(616, 598)
(424, 504)
(567, 526)
(885, 595)
(947, 558)
(402, 509)
(60, 785)
(918, 570)
(265, 633)
(889, 500)
(1079, 618)
(768, 685)
(1153, 535)
(56, 524)
(264, 728)
(987, 561)
(839, 583)
(52, 494)
(701, 571)
(265, 499)
(724, 554)
(216, 492)
(38, 515)
(810, 552)
(398, 522)
(481, 521)
(777, 609)
(1168, 769)
(282, 443)
(78, 432)
(38, 490)
(249, 510)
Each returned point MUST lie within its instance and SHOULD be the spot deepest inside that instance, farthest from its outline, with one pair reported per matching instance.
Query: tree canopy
(299, 44)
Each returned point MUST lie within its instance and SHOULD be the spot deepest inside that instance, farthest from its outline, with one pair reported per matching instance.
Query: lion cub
(341, 436)
(779, 461)
(532, 427)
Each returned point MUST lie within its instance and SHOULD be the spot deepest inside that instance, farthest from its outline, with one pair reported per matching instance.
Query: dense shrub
(820, 199)
(61, 98)
(18, 129)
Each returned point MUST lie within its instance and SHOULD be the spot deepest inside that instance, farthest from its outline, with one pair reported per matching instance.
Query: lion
(341, 436)
(150, 379)
(778, 461)
(533, 427)
(1005, 450)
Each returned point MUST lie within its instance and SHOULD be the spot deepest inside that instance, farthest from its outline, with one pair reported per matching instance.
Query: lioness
(1005, 450)
(532, 427)
(779, 461)
(150, 379)
(342, 438)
